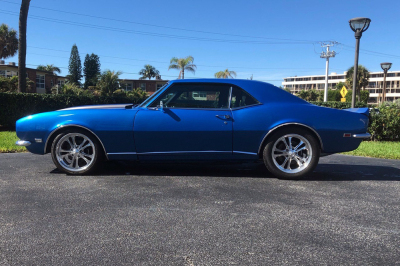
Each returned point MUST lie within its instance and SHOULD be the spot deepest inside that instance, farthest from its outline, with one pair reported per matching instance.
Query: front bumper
(23, 143)
(362, 136)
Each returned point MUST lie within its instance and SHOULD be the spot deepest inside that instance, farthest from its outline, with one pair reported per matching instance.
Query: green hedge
(14, 106)
(384, 123)
(340, 105)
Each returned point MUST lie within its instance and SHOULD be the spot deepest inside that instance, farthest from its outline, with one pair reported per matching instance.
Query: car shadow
(323, 172)
(347, 172)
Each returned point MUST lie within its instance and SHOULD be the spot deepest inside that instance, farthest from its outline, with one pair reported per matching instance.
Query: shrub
(340, 105)
(311, 95)
(363, 94)
(11, 84)
(384, 123)
(13, 106)
(333, 95)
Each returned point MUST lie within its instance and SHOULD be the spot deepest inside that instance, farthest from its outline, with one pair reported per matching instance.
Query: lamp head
(386, 66)
(359, 24)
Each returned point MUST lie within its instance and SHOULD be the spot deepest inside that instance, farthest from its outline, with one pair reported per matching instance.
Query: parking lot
(347, 212)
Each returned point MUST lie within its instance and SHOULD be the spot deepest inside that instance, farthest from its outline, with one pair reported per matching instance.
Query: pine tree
(91, 70)
(75, 66)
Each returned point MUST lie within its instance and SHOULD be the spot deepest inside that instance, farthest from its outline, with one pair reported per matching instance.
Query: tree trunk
(23, 18)
(183, 73)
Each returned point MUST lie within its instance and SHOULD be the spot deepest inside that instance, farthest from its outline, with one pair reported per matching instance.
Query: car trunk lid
(363, 111)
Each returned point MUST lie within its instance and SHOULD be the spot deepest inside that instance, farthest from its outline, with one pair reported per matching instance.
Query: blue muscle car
(198, 120)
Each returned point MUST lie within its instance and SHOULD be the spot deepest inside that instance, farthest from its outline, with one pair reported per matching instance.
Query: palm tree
(109, 82)
(23, 18)
(225, 74)
(149, 72)
(362, 79)
(49, 68)
(183, 64)
(8, 42)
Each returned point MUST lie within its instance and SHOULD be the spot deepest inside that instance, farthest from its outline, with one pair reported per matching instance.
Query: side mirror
(161, 106)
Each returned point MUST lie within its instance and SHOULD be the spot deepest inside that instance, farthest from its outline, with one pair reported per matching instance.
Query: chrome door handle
(223, 116)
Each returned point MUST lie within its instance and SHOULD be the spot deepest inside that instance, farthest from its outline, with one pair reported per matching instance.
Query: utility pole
(327, 55)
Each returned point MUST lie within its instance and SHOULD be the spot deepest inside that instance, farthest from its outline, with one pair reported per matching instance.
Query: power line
(164, 62)
(369, 52)
(288, 41)
(160, 26)
(133, 73)
(152, 34)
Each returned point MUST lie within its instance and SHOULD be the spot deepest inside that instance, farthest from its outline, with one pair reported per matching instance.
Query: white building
(375, 86)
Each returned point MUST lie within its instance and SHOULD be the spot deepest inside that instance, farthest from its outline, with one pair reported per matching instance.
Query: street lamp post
(385, 67)
(358, 25)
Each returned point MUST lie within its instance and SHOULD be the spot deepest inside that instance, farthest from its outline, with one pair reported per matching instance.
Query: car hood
(102, 106)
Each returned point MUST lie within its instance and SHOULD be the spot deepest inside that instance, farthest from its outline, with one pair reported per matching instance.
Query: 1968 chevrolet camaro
(198, 120)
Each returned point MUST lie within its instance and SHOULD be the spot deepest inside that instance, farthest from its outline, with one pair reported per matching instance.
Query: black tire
(74, 159)
(295, 160)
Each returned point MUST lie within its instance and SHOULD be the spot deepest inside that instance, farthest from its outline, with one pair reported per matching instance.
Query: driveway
(347, 212)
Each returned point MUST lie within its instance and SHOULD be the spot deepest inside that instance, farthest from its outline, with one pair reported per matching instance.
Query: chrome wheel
(291, 153)
(75, 152)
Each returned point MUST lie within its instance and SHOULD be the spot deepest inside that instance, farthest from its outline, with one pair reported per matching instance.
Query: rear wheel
(291, 153)
(75, 152)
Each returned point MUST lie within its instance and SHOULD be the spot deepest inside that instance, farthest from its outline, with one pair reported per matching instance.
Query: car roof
(262, 91)
(226, 81)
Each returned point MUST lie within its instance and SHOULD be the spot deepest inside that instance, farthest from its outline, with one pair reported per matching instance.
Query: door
(194, 122)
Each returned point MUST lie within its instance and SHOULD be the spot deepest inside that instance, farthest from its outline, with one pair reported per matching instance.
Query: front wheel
(291, 153)
(75, 152)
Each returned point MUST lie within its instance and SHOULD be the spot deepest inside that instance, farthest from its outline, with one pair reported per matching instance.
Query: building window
(39, 81)
(8, 73)
(143, 86)
(159, 86)
(126, 86)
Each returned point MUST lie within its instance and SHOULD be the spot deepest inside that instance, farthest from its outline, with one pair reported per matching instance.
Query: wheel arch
(286, 125)
(55, 132)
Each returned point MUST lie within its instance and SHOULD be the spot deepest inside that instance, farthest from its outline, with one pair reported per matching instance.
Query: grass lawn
(376, 149)
(7, 142)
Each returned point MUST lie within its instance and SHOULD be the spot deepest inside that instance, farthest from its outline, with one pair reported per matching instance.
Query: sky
(269, 40)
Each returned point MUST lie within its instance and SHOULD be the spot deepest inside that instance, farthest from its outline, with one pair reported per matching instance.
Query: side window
(240, 98)
(195, 95)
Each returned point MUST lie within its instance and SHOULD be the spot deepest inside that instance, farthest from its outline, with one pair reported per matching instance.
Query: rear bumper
(362, 136)
(23, 143)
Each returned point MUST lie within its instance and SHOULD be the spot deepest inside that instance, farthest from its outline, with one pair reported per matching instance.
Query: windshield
(153, 95)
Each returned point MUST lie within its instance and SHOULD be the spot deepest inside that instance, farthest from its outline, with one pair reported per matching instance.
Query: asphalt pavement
(346, 212)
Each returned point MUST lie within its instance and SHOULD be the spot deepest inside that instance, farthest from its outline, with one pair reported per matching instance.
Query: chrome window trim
(203, 83)
(230, 98)
(74, 125)
(190, 108)
(242, 107)
(286, 124)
